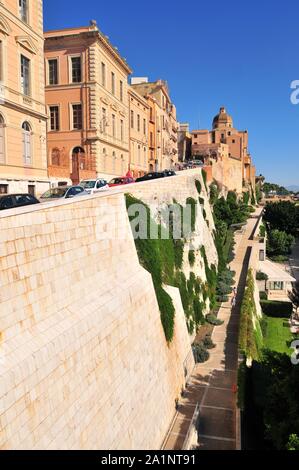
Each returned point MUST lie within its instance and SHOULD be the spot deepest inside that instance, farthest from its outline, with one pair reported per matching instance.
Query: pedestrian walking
(234, 301)
(235, 291)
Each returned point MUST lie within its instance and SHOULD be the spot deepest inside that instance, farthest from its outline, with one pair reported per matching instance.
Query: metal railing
(188, 442)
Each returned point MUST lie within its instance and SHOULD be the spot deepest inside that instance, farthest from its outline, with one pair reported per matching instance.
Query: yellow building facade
(23, 156)
(90, 77)
(139, 127)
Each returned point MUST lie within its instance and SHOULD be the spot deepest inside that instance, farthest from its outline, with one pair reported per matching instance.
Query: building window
(2, 140)
(113, 83)
(53, 71)
(76, 69)
(3, 188)
(77, 116)
(113, 125)
(139, 154)
(31, 189)
(103, 74)
(23, 9)
(25, 75)
(122, 130)
(144, 126)
(26, 143)
(276, 285)
(138, 122)
(55, 157)
(151, 139)
(121, 91)
(132, 119)
(54, 118)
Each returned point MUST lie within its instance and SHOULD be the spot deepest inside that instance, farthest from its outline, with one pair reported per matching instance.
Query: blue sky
(212, 54)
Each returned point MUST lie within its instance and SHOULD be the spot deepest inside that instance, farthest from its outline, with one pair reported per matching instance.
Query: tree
(279, 243)
(294, 295)
(293, 443)
(282, 216)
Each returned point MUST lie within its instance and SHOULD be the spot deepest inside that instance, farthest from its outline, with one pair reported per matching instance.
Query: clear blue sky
(242, 56)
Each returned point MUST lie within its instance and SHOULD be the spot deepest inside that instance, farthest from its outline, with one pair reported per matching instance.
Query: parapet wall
(83, 359)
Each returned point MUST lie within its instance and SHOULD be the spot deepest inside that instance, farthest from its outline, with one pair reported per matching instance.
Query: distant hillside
(293, 189)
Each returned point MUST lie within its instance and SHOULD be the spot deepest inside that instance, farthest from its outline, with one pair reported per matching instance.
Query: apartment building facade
(23, 154)
(87, 101)
(165, 125)
(139, 131)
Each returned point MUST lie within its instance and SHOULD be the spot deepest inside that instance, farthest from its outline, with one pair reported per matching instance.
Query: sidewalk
(213, 384)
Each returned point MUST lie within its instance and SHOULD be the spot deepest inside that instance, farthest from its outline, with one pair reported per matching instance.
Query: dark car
(12, 201)
(169, 173)
(150, 176)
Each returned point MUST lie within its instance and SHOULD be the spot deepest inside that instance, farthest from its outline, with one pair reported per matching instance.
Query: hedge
(277, 309)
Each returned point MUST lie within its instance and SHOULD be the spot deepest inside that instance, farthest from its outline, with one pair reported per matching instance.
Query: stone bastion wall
(83, 359)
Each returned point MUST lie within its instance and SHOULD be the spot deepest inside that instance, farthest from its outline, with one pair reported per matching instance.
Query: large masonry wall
(83, 359)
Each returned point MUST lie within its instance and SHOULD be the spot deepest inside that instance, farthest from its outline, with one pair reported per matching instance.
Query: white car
(94, 186)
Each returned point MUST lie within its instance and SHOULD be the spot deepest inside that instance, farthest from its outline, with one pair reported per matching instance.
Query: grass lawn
(278, 335)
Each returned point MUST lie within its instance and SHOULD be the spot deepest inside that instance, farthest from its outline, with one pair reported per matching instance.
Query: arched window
(55, 157)
(26, 142)
(2, 140)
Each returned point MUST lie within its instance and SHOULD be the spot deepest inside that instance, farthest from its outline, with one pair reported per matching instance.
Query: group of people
(234, 297)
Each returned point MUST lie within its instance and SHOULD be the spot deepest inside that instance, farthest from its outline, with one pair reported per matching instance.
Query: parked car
(94, 186)
(150, 176)
(169, 173)
(121, 181)
(63, 192)
(12, 201)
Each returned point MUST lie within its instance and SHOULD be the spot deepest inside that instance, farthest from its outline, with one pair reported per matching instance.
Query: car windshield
(54, 193)
(88, 184)
(117, 181)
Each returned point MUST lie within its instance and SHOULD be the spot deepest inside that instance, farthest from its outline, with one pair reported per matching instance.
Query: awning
(275, 272)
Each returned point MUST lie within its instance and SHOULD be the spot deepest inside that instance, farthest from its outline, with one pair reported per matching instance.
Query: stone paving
(213, 384)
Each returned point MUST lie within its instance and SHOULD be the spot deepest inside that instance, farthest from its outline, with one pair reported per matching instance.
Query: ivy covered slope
(184, 263)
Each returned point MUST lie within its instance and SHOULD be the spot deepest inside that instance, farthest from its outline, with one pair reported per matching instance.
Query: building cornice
(95, 34)
(24, 110)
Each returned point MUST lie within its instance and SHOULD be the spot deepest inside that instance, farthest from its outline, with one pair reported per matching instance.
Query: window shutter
(2, 156)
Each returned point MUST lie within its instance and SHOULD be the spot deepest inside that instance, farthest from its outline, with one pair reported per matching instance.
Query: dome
(222, 120)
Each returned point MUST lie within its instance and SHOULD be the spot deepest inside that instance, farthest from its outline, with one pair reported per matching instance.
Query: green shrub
(248, 340)
(167, 312)
(213, 320)
(200, 353)
(242, 385)
(191, 257)
(193, 203)
(263, 296)
(260, 276)
(198, 186)
(277, 309)
(279, 258)
(178, 253)
(262, 231)
(198, 308)
(208, 343)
